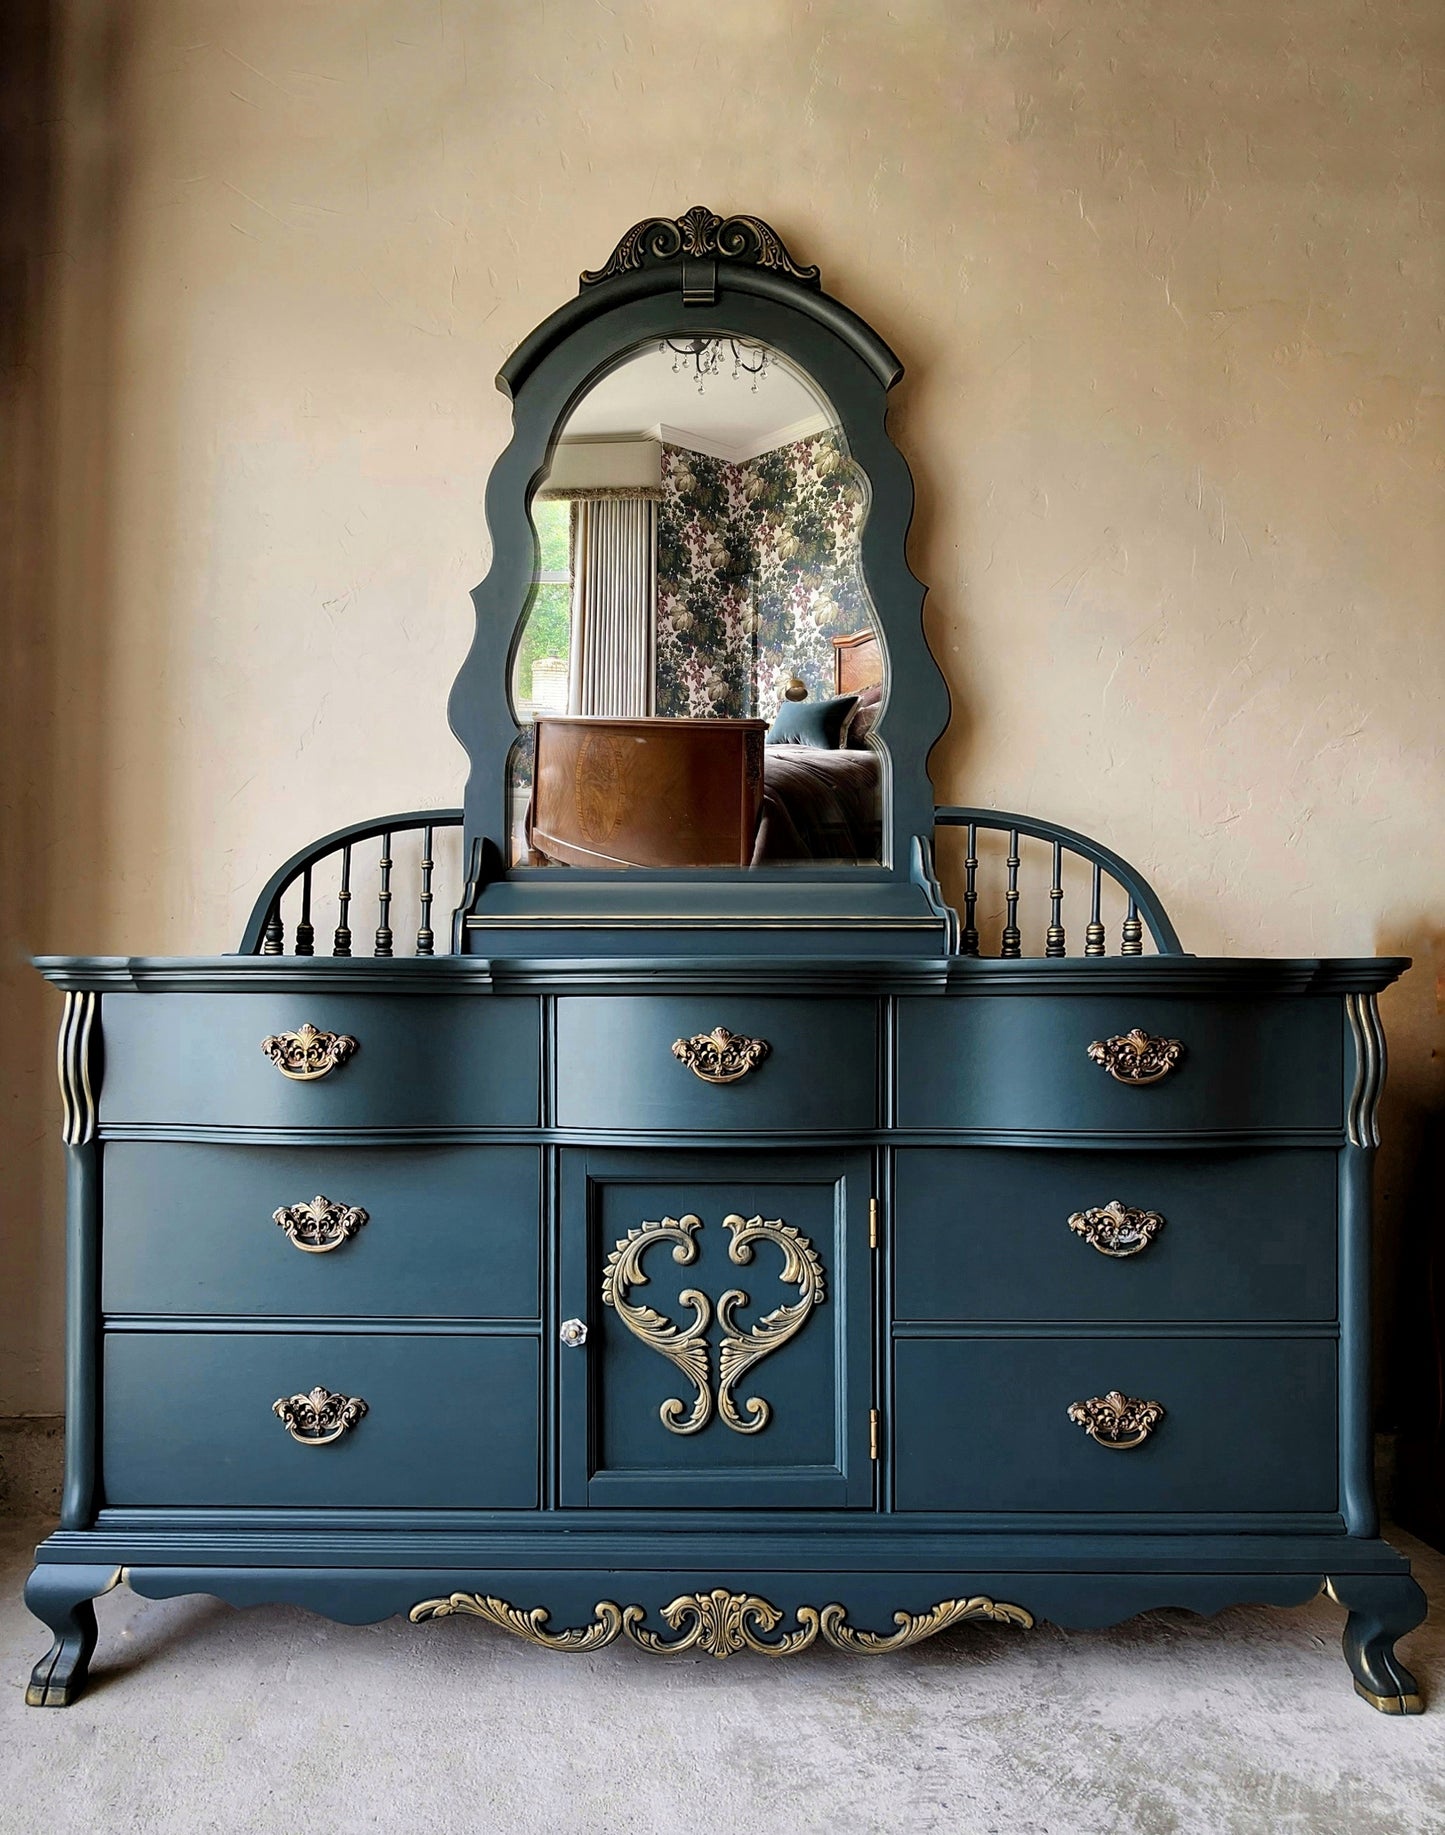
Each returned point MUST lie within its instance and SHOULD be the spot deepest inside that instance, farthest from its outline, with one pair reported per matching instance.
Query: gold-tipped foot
(1391, 1704)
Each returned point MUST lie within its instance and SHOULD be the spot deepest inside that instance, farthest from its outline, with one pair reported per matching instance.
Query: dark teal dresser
(728, 1260)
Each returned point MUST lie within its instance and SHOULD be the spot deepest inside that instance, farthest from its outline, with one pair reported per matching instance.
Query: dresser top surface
(956, 976)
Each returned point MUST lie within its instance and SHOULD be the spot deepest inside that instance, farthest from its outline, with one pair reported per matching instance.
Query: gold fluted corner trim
(720, 1056)
(740, 1350)
(308, 1053)
(685, 1347)
(1120, 1422)
(720, 1623)
(72, 1063)
(1116, 1228)
(913, 1627)
(319, 1418)
(1362, 1116)
(320, 1226)
(1137, 1057)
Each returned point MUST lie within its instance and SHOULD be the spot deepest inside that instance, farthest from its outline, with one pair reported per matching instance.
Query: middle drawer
(616, 1068)
(983, 1233)
(450, 1232)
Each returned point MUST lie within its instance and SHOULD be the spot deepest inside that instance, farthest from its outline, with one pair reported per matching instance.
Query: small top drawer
(420, 1061)
(633, 1065)
(1004, 1062)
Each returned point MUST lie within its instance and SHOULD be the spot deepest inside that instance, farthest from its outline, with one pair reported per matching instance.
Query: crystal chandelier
(707, 356)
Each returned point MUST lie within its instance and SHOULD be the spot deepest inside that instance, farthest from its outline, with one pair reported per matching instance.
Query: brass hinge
(872, 1223)
(875, 1423)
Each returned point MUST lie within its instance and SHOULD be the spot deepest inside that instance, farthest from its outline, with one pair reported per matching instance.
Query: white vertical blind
(614, 591)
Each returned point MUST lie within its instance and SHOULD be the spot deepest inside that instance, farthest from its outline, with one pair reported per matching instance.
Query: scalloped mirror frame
(696, 275)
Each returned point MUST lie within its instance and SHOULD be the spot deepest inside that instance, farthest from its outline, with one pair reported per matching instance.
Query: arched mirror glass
(698, 674)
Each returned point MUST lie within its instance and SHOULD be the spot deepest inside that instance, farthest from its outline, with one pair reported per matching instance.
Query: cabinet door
(727, 1300)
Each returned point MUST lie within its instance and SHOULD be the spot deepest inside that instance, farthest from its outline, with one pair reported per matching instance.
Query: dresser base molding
(780, 1612)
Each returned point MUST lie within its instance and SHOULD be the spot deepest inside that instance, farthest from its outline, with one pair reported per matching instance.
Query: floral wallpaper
(757, 572)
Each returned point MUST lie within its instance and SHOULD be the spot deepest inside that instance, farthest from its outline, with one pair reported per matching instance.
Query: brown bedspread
(818, 805)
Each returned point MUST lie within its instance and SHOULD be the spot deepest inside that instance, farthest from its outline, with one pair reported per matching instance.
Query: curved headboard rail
(1144, 904)
(265, 932)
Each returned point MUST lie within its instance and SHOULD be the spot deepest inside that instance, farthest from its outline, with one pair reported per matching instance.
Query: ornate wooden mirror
(699, 691)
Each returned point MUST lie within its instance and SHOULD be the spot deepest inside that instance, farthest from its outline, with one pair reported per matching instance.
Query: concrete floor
(201, 1718)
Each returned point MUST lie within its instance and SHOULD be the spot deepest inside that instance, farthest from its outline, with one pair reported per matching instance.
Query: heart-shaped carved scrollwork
(686, 1346)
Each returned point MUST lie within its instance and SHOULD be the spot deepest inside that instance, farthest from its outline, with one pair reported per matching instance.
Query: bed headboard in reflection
(857, 663)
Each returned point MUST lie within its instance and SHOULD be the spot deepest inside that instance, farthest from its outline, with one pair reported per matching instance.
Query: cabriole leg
(1381, 1608)
(61, 1597)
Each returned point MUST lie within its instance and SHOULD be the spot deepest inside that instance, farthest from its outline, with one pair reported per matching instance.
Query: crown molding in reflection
(804, 429)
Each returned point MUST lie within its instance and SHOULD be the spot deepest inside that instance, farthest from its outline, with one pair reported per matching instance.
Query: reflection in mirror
(698, 675)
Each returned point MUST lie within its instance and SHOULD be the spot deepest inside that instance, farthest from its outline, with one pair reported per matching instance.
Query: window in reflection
(543, 657)
(698, 675)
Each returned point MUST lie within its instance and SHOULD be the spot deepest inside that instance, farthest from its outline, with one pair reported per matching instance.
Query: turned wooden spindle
(1010, 946)
(273, 938)
(1133, 933)
(1094, 935)
(970, 893)
(305, 930)
(425, 940)
(383, 901)
(1054, 935)
(341, 943)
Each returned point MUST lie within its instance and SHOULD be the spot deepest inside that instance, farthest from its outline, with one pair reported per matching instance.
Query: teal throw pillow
(815, 723)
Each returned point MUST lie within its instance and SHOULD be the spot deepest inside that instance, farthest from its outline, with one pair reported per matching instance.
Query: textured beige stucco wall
(1165, 278)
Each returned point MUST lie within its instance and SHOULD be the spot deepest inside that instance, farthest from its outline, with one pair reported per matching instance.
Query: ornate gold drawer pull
(720, 1056)
(1117, 1229)
(320, 1226)
(319, 1418)
(306, 1054)
(1120, 1422)
(1136, 1057)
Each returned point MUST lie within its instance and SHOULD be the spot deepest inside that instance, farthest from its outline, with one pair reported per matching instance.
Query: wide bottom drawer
(449, 1422)
(983, 1424)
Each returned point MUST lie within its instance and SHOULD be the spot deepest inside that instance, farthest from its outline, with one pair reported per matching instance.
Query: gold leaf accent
(740, 1350)
(1120, 1422)
(724, 1624)
(530, 1625)
(720, 1624)
(686, 1346)
(913, 1627)
(683, 1346)
(720, 1056)
(307, 1053)
(1137, 1057)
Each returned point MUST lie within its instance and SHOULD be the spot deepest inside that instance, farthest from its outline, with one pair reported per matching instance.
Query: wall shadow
(60, 148)
(1409, 1256)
